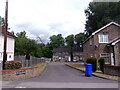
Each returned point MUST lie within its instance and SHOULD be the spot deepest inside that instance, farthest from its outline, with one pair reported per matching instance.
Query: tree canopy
(57, 41)
(23, 45)
(70, 40)
(79, 38)
(99, 14)
(26, 46)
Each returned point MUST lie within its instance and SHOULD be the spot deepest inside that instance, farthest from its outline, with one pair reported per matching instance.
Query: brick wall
(11, 75)
(88, 49)
(117, 54)
(112, 70)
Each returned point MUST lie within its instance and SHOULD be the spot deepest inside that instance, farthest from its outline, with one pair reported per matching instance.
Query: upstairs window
(90, 42)
(103, 38)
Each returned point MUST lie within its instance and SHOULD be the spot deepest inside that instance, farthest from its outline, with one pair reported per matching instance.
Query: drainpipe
(113, 53)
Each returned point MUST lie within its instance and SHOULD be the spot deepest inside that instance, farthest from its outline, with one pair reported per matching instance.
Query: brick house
(64, 54)
(105, 43)
(114, 50)
(10, 45)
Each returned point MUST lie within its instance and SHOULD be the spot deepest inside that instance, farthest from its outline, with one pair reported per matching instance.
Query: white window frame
(90, 42)
(103, 38)
(1, 57)
(105, 55)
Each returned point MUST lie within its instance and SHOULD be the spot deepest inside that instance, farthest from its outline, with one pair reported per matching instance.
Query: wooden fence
(31, 61)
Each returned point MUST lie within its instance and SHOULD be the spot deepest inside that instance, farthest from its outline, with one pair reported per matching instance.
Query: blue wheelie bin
(88, 70)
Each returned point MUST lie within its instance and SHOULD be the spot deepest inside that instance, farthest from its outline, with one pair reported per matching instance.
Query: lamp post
(5, 34)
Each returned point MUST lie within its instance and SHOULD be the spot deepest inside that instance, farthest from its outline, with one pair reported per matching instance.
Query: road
(58, 75)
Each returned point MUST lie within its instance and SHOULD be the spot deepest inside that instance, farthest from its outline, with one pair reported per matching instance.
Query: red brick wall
(88, 50)
(117, 54)
(112, 70)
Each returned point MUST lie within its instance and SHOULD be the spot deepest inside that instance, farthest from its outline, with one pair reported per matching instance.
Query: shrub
(13, 65)
(92, 61)
(101, 63)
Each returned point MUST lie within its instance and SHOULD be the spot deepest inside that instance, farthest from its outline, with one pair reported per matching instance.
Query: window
(103, 38)
(106, 56)
(66, 53)
(59, 53)
(0, 55)
(90, 41)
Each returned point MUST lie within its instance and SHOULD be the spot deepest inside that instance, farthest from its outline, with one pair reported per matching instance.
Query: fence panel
(31, 62)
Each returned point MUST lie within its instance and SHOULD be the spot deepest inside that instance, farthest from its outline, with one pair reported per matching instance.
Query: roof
(109, 24)
(114, 41)
(8, 33)
(75, 49)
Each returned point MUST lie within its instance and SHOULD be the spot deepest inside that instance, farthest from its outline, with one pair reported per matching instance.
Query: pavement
(98, 73)
(58, 75)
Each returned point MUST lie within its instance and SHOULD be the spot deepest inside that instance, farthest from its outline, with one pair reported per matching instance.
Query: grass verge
(80, 66)
(41, 67)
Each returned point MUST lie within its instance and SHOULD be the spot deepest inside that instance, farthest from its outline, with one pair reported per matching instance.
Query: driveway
(58, 75)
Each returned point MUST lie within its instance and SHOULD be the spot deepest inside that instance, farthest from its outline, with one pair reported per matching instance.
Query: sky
(45, 18)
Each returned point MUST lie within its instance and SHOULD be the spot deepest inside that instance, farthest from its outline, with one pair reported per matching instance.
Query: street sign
(20, 72)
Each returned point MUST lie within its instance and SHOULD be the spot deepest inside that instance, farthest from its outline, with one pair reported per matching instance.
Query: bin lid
(88, 64)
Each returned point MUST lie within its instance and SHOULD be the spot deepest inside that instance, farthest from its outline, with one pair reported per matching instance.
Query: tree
(47, 51)
(57, 41)
(70, 43)
(38, 52)
(99, 14)
(26, 46)
(79, 38)
(23, 45)
(70, 40)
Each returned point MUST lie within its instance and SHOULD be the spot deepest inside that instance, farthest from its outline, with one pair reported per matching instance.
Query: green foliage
(23, 45)
(70, 43)
(79, 38)
(101, 63)
(13, 65)
(99, 14)
(92, 61)
(26, 46)
(70, 40)
(57, 41)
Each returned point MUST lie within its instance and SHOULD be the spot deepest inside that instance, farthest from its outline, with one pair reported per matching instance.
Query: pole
(5, 35)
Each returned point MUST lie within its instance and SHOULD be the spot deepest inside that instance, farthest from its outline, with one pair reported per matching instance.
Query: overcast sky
(46, 17)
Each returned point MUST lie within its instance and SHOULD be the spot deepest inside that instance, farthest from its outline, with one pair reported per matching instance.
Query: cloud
(46, 17)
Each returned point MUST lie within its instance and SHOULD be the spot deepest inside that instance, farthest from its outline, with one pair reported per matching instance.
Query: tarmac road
(58, 75)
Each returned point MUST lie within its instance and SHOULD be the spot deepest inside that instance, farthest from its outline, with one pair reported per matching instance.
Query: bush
(101, 63)
(13, 65)
(92, 61)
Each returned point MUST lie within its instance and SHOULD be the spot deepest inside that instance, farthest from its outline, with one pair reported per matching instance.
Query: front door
(112, 59)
